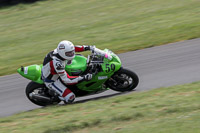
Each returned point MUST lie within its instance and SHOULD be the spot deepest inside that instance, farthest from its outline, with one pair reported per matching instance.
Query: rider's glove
(89, 47)
(87, 77)
(86, 47)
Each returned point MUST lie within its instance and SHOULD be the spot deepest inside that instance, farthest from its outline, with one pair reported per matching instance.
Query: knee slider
(70, 97)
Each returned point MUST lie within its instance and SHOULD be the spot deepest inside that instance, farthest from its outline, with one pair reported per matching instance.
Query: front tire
(123, 80)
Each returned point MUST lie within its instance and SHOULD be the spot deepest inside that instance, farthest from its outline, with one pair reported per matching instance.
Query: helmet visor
(70, 54)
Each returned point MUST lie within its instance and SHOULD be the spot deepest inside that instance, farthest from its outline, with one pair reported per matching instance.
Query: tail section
(32, 72)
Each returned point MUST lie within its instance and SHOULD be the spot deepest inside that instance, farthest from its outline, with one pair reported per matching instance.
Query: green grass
(29, 31)
(164, 110)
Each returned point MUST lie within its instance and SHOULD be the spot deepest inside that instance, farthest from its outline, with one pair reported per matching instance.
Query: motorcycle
(105, 66)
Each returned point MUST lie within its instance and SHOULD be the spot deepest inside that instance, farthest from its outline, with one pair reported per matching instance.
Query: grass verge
(174, 109)
(29, 31)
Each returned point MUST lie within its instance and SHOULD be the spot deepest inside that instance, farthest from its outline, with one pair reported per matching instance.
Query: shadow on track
(99, 97)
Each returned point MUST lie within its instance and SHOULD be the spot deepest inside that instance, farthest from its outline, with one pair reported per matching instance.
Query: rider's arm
(60, 70)
(69, 80)
(82, 48)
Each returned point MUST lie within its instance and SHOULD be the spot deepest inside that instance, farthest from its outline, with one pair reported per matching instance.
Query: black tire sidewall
(30, 88)
(130, 73)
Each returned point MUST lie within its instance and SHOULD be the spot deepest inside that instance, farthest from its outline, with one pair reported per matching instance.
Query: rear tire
(123, 80)
(33, 86)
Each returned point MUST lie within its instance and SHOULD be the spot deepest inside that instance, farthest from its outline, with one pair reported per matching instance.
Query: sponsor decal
(59, 66)
(102, 77)
(62, 46)
(26, 70)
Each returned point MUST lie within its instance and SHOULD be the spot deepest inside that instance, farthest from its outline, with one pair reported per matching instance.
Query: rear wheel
(38, 94)
(123, 80)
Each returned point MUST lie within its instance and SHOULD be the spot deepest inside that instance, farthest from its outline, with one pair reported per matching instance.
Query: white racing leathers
(56, 78)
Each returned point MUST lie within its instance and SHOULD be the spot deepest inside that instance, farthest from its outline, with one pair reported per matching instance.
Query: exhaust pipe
(39, 97)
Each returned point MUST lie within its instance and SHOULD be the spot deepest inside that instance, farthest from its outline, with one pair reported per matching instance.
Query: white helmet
(66, 50)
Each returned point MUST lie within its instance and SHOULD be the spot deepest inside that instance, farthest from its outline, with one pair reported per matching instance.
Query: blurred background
(28, 31)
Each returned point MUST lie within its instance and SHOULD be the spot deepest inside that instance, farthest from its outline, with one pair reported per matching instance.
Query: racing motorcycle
(105, 66)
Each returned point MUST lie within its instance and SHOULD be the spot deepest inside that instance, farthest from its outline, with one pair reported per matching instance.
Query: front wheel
(123, 80)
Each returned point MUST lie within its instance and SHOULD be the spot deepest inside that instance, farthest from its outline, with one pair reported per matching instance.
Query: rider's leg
(65, 94)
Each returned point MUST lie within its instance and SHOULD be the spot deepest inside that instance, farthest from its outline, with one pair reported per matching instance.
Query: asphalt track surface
(161, 66)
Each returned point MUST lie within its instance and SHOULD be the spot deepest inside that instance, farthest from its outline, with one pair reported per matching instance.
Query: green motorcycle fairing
(78, 66)
(32, 72)
(109, 67)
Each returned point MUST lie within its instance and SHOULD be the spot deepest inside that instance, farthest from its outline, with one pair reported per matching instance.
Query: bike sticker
(102, 77)
(26, 70)
(111, 67)
(107, 68)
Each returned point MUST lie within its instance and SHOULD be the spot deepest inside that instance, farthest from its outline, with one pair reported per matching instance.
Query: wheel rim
(37, 91)
(121, 81)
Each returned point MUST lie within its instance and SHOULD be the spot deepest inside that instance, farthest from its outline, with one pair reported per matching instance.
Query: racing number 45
(110, 67)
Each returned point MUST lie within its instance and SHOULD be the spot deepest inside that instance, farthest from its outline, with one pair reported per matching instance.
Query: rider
(53, 72)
